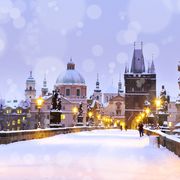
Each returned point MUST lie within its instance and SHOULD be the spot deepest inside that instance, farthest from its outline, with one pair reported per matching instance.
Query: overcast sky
(42, 35)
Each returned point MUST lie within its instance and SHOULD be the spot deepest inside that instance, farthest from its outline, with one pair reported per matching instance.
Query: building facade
(15, 115)
(140, 86)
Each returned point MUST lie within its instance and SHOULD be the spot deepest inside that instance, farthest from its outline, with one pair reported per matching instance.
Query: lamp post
(75, 111)
(90, 114)
(39, 103)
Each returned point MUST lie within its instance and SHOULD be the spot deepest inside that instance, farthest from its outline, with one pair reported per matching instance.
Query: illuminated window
(13, 122)
(19, 121)
(19, 111)
(24, 117)
(8, 111)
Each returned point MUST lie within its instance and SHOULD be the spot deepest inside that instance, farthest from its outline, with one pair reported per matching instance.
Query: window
(30, 88)
(18, 121)
(97, 97)
(19, 111)
(8, 111)
(78, 92)
(13, 122)
(67, 92)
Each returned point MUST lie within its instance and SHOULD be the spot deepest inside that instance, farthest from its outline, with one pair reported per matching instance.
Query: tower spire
(120, 90)
(138, 65)
(97, 82)
(153, 71)
(44, 89)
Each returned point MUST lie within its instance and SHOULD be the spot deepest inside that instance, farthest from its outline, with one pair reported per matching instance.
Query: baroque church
(73, 92)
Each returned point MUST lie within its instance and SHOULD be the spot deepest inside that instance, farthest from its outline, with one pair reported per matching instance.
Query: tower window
(30, 88)
(67, 92)
(78, 92)
(97, 97)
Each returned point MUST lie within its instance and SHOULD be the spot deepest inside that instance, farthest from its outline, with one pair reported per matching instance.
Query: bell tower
(44, 89)
(97, 92)
(30, 91)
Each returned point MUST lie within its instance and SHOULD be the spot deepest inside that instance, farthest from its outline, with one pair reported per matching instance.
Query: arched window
(30, 88)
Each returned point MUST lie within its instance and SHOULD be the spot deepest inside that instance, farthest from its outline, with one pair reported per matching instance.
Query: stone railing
(7, 137)
(168, 141)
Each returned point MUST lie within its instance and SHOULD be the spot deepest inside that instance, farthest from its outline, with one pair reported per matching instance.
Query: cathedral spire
(138, 65)
(44, 89)
(120, 90)
(153, 71)
(44, 81)
(97, 82)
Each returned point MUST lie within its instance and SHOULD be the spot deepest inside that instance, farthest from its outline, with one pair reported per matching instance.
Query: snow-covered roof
(15, 104)
(177, 125)
(176, 130)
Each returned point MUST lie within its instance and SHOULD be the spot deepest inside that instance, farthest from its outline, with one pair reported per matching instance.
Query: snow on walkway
(94, 155)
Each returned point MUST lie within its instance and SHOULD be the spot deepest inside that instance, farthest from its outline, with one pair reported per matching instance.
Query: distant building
(172, 110)
(15, 115)
(140, 85)
(178, 100)
(116, 109)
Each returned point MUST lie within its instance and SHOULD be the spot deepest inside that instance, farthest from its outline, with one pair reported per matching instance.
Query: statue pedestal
(80, 121)
(55, 119)
(162, 117)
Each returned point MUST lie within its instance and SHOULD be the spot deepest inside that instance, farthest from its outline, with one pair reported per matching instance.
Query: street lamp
(39, 103)
(75, 111)
(158, 103)
(147, 111)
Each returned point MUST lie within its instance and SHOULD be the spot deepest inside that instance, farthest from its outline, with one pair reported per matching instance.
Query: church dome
(71, 76)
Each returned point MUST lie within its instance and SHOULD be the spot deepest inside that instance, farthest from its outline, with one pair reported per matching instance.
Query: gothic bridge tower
(140, 85)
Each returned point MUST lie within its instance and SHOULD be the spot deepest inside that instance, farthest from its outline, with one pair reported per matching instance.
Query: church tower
(97, 92)
(30, 91)
(44, 89)
(140, 86)
(120, 90)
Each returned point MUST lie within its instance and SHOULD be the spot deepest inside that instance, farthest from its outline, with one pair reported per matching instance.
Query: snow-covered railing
(171, 142)
(7, 137)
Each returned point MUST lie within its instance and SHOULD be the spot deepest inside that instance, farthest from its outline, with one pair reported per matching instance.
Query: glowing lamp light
(142, 115)
(39, 102)
(170, 124)
(63, 116)
(90, 114)
(158, 103)
(147, 110)
(75, 110)
(99, 116)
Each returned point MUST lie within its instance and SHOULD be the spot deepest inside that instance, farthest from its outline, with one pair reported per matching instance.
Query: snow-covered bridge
(93, 155)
